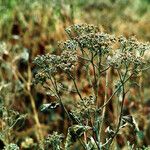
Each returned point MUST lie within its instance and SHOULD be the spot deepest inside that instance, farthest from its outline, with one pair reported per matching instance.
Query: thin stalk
(110, 98)
(76, 87)
(105, 99)
(104, 70)
(96, 130)
(59, 97)
(95, 86)
(122, 80)
(27, 89)
(99, 63)
(36, 117)
(120, 118)
(141, 88)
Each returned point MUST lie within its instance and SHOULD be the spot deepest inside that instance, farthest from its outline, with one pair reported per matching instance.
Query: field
(74, 75)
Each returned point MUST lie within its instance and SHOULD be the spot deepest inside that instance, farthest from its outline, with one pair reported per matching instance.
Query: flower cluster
(99, 42)
(132, 44)
(129, 53)
(127, 58)
(48, 65)
(88, 36)
(81, 29)
(98, 52)
(84, 108)
(68, 61)
(69, 45)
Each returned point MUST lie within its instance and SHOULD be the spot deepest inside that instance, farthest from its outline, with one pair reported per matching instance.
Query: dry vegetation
(67, 84)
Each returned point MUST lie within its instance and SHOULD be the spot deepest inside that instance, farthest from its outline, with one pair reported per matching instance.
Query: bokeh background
(33, 27)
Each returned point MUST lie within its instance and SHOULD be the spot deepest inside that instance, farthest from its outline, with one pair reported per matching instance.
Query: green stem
(59, 97)
(105, 99)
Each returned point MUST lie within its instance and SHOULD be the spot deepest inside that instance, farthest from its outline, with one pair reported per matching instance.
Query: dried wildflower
(129, 54)
(88, 36)
(126, 58)
(97, 52)
(99, 42)
(81, 29)
(40, 77)
(48, 65)
(69, 45)
(132, 44)
(68, 60)
(84, 108)
(48, 60)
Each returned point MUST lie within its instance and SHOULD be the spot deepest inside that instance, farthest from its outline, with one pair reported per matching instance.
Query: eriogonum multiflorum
(94, 53)
(125, 58)
(84, 108)
(68, 45)
(130, 53)
(132, 44)
(48, 65)
(81, 29)
(97, 42)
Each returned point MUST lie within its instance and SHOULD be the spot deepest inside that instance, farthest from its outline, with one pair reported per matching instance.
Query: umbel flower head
(129, 53)
(99, 42)
(48, 65)
(132, 44)
(69, 45)
(84, 108)
(85, 37)
(125, 58)
(89, 37)
(81, 29)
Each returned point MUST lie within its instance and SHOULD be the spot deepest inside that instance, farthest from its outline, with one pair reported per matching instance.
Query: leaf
(128, 119)
(48, 106)
(74, 132)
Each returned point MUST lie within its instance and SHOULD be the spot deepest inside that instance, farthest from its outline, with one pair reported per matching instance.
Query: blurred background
(33, 27)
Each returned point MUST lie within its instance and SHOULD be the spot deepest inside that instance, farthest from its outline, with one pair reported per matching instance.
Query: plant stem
(75, 84)
(36, 117)
(141, 88)
(59, 97)
(120, 118)
(95, 85)
(105, 99)
(122, 81)
(114, 93)
(27, 89)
